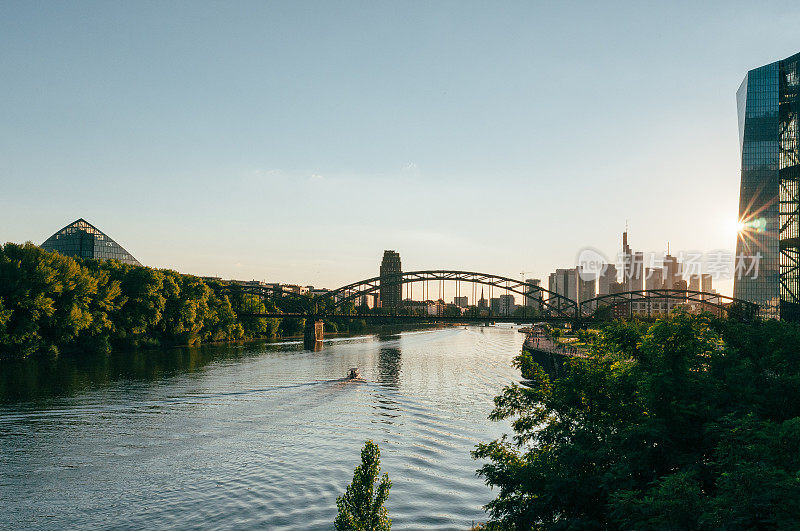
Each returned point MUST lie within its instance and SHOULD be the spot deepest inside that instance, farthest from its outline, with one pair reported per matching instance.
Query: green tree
(690, 423)
(361, 506)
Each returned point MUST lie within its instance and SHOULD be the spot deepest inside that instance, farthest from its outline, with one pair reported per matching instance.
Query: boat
(354, 374)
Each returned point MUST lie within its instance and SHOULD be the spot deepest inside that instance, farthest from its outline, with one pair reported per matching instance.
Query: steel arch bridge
(626, 300)
(554, 306)
(554, 303)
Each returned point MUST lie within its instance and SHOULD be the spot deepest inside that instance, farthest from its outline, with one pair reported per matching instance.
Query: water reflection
(40, 379)
(389, 364)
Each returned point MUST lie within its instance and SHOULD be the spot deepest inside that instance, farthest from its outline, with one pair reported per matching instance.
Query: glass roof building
(767, 256)
(80, 238)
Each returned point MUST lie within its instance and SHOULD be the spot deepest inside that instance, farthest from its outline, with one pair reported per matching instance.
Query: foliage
(689, 423)
(361, 506)
(524, 362)
(51, 303)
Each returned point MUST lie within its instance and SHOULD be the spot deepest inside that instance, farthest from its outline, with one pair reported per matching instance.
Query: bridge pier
(313, 333)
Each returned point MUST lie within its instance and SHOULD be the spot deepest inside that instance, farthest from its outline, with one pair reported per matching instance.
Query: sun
(735, 227)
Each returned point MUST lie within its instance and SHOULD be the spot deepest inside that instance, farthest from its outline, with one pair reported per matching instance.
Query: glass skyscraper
(767, 256)
(82, 239)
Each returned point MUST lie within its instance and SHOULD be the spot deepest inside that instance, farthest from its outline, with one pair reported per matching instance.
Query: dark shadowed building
(81, 239)
(391, 272)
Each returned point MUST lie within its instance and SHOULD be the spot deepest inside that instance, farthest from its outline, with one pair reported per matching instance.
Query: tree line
(50, 303)
(692, 422)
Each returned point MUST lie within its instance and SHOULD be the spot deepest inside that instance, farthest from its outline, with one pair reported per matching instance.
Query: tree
(692, 422)
(361, 507)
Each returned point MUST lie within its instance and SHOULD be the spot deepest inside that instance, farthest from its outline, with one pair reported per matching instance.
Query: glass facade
(767, 250)
(83, 240)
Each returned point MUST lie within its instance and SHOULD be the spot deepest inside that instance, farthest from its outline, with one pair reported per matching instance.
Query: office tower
(607, 278)
(587, 285)
(534, 301)
(633, 266)
(673, 272)
(694, 282)
(705, 283)
(564, 283)
(654, 278)
(768, 102)
(461, 302)
(507, 305)
(391, 275)
(81, 239)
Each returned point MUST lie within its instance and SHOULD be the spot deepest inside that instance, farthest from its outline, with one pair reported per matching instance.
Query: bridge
(540, 304)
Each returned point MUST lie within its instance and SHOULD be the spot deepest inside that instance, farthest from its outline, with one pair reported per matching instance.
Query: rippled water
(255, 436)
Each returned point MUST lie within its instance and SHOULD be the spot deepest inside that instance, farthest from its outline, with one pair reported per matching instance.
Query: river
(259, 435)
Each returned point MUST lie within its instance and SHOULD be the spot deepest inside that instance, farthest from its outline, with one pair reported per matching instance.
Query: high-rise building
(535, 300)
(767, 249)
(633, 266)
(587, 285)
(694, 282)
(673, 271)
(705, 283)
(81, 239)
(391, 288)
(654, 278)
(564, 282)
(507, 305)
(607, 277)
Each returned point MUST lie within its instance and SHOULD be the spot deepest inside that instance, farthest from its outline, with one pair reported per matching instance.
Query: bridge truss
(257, 300)
(652, 302)
(551, 302)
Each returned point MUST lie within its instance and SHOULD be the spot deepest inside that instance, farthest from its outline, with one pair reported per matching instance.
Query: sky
(295, 141)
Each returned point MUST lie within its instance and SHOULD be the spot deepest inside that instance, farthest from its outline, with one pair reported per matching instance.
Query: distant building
(390, 272)
(370, 300)
(535, 300)
(83, 240)
(705, 283)
(461, 302)
(482, 303)
(607, 277)
(633, 266)
(563, 282)
(694, 282)
(586, 285)
(654, 278)
(673, 273)
(507, 305)
(436, 307)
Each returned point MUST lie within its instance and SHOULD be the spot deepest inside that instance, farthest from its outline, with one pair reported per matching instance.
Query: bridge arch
(590, 307)
(551, 302)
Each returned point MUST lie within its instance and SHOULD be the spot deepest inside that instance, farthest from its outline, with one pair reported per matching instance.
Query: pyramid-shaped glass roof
(80, 238)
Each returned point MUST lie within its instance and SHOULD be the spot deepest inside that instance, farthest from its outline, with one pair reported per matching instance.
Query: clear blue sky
(295, 141)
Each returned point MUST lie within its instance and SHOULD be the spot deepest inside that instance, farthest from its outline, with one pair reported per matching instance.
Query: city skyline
(285, 178)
